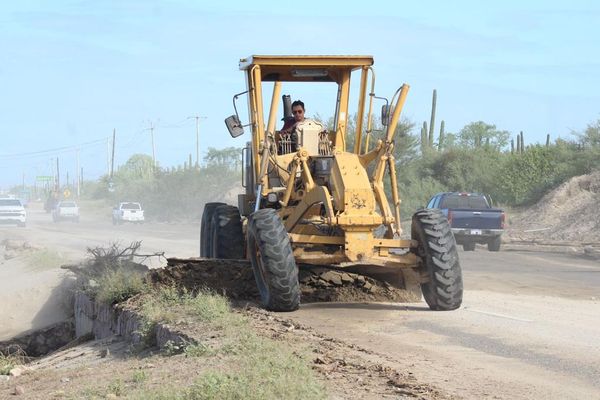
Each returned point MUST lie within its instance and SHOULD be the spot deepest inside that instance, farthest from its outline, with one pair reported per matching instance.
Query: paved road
(528, 328)
(96, 229)
(547, 274)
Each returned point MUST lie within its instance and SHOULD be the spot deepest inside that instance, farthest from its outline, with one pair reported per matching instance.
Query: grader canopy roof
(305, 68)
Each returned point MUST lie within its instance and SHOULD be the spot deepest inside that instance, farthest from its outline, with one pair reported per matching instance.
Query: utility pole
(197, 117)
(77, 173)
(57, 175)
(107, 155)
(112, 160)
(153, 149)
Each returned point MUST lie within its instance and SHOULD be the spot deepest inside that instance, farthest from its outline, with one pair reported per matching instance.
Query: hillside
(569, 212)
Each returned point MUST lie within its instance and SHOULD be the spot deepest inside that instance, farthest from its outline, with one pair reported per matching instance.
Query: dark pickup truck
(471, 218)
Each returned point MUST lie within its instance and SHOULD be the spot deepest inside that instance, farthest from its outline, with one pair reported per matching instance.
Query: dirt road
(528, 328)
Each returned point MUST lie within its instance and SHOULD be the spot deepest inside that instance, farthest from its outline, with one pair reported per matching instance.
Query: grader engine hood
(352, 193)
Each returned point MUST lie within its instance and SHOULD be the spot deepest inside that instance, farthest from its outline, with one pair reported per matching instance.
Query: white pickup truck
(66, 210)
(127, 212)
(12, 212)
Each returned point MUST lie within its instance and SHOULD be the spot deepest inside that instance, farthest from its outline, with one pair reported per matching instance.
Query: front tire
(226, 235)
(273, 261)
(437, 249)
(469, 246)
(494, 244)
(205, 228)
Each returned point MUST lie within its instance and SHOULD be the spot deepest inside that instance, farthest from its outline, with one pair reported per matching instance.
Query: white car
(66, 209)
(12, 212)
(127, 212)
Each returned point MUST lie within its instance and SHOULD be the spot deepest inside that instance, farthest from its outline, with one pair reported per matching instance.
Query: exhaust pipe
(287, 107)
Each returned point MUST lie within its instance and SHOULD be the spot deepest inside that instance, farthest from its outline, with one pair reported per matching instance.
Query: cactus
(548, 140)
(522, 142)
(424, 142)
(518, 144)
(512, 146)
(432, 121)
(441, 140)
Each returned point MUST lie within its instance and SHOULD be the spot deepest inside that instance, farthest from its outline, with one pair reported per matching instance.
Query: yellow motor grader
(310, 199)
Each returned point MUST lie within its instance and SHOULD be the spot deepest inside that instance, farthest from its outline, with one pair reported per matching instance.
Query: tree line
(478, 158)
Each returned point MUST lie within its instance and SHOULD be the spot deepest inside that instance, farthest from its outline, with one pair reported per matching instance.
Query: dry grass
(247, 365)
(44, 259)
(10, 361)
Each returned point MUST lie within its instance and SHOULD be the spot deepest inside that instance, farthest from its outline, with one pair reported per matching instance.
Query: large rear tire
(273, 261)
(226, 235)
(494, 244)
(205, 228)
(437, 249)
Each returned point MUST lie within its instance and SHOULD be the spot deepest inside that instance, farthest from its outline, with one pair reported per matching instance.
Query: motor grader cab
(310, 199)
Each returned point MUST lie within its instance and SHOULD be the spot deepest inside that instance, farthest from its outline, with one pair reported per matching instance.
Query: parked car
(472, 218)
(127, 212)
(12, 212)
(66, 210)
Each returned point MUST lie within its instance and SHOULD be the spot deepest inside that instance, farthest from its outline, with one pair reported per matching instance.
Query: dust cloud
(160, 207)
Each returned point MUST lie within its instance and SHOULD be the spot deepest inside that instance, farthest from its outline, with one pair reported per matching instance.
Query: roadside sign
(43, 178)
(67, 193)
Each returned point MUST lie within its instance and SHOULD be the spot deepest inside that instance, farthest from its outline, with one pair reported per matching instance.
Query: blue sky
(71, 71)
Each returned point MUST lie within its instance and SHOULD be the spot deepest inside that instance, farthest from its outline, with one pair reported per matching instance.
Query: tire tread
(266, 231)
(437, 248)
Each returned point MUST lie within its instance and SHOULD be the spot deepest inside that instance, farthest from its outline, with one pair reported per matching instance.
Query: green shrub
(115, 286)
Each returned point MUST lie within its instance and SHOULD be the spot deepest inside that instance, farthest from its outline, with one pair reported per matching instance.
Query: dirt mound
(235, 279)
(569, 212)
(11, 248)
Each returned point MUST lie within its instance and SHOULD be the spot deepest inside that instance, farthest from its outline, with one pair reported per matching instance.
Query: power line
(179, 124)
(52, 151)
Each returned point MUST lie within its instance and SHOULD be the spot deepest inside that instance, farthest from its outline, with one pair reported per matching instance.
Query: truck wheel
(273, 261)
(226, 235)
(437, 249)
(469, 246)
(205, 229)
(494, 243)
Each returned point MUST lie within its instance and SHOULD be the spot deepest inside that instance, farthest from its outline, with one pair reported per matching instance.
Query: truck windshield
(458, 201)
(10, 202)
(68, 204)
(130, 206)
